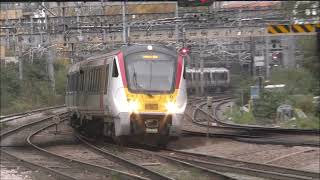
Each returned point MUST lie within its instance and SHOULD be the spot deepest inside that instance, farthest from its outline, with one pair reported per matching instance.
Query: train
(136, 92)
(215, 79)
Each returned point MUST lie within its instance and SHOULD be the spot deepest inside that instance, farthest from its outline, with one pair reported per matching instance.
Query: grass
(311, 122)
(240, 117)
(3, 126)
(115, 176)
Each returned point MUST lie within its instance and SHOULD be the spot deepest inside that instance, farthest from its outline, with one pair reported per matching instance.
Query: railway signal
(184, 51)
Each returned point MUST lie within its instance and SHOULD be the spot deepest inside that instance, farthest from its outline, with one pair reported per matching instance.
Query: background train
(137, 92)
(214, 79)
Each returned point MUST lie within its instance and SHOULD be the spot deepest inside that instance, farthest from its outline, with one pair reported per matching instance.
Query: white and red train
(215, 79)
(137, 91)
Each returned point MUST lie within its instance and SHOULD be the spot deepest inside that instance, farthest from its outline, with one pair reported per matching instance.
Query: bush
(240, 117)
(297, 81)
(312, 122)
(35, 90)
(266, 106)
(303, 102)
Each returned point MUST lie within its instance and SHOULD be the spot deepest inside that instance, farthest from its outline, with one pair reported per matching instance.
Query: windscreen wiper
(140, 88)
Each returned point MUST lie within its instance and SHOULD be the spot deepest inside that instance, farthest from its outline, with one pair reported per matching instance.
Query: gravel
(306, 159)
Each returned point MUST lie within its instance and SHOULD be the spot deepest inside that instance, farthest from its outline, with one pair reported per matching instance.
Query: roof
(212, 69)
(275, 86)
(249, 4)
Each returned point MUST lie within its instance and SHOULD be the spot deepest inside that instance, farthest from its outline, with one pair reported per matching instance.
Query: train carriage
(214, 79)
(138, 90)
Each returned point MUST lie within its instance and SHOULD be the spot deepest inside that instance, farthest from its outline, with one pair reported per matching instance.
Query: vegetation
(34, 91)
(240, 117)
(301, 86)
(312, 122)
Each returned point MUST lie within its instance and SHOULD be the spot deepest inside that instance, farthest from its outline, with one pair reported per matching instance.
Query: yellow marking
(318, 25)
(283, 29)
(298, 28)
(159, 99)
(150, 57)
(309, 27)
(273, 31)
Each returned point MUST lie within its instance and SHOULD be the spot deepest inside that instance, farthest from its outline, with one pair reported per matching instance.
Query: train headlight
(133, 106)
(171, 107)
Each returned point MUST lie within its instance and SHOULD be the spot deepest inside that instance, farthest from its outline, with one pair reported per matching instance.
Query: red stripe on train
(122, 69)
(179, 71)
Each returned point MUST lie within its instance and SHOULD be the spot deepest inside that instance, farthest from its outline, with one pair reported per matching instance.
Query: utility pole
(124, 28)
(202, 48)
(50, 59)
(20, 61)
(267, 57)
(176, 26)
(252, 49)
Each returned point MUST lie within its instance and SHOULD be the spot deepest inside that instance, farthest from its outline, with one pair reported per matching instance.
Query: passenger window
(90, 81)
(77, 82)
(68, 83)
(106, 80)
(72, 82)
(82, 81)
(94, 80)
(115, 72)
(87, 80)
(98, 80)
(184, 71)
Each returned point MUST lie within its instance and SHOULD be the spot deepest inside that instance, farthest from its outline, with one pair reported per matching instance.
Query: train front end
(155, 91)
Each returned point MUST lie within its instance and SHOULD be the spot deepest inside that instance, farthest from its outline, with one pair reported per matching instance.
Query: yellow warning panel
(294, 28)
(299, 28)
(281, 28)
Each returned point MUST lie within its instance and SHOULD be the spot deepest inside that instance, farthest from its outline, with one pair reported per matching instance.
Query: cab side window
(184, 70)
(115, 72)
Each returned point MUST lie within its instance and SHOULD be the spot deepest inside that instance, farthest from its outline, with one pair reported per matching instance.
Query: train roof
(96, 60)
(143, 47)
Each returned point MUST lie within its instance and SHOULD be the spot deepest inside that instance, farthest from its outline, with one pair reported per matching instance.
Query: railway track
(14, 153)
(15, 116)
(149, 173)
(242, 167)
(198, 115)
(157, 166)
(36, 158)
(78, 168)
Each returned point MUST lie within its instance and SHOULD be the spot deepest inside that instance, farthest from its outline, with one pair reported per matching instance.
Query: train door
(214, 74)
(104, 84)
(86, 88)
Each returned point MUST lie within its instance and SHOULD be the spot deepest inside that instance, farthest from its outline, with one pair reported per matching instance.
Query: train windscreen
(150, 72)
